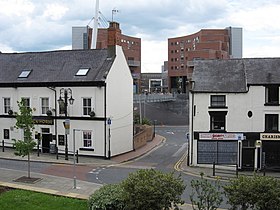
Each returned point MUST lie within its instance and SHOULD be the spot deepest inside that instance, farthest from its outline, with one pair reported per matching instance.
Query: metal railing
(153, 98)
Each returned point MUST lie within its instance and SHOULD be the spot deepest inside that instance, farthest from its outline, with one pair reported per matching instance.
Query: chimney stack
(114, 38)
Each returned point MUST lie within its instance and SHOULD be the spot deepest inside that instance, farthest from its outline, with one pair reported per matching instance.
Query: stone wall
(144, 134)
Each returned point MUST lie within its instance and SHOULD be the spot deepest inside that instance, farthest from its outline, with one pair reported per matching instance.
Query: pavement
(65, 186)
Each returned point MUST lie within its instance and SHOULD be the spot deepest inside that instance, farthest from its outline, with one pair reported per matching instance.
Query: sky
(43, 25)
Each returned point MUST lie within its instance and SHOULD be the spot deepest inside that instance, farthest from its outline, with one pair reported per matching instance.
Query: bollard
(38, 151)
(77, 156)
(3, 147)
(214, 172)
(264, 170)
(236, 170)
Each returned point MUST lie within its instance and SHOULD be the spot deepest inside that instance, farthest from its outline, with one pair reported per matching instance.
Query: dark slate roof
(235, 75)
(54, 66)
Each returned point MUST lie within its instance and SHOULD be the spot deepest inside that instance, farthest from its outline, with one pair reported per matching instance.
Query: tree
(108, 197)
(150, 189)
(205, 195)
(24, 121)
(257, 192)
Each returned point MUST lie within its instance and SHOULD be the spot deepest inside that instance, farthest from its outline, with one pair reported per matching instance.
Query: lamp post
(63, 102)
(74, 168)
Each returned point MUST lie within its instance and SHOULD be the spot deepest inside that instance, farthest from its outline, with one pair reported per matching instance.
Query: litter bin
(52, 149)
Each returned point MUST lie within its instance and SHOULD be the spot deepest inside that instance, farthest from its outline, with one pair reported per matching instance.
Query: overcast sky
(41, 25)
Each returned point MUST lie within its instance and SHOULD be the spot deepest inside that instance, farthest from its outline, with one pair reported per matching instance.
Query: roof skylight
(82, 72)
(24, 73)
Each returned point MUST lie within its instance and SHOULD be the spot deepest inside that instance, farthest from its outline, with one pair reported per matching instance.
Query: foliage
(257, 192)
(146, 121)
(108, 197)
(150, 189)
(205, 195)
(24, 121)
(23, 200)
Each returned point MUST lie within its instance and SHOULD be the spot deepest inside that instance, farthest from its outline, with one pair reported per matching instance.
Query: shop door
(248, 157)
(272, 154)
(46, 139)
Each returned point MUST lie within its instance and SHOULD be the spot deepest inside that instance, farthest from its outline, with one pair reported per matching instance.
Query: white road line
(180, 150)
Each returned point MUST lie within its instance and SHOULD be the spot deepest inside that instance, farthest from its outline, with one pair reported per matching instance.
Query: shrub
(108, 197)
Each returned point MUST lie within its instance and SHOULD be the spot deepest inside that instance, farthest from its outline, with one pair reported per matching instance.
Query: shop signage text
(221, 136)
(42, 121)
(270, 136)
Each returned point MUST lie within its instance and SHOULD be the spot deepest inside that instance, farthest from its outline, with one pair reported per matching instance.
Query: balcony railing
(133, 63)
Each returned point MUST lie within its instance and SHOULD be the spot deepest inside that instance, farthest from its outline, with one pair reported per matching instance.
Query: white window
(7, 105)
(86, 106)
(26, 101)
(45, 105)
(87, 139)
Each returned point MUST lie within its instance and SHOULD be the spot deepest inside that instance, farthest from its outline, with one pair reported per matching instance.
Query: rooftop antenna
(114, 11)
(95, 25)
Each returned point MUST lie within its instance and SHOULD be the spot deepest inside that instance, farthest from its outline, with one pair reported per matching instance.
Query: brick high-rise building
(132, 50)
(205, 44)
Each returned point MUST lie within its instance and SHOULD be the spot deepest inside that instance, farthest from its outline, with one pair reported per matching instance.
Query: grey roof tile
(235, 75)
(54, 66)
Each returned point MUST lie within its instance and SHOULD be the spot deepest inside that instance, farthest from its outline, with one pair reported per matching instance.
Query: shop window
(217, 101)
(87, 139)
(271, 122)
(272, 95)
(217, 121)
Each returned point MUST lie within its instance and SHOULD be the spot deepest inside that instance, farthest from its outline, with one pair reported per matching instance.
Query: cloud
(55, 11)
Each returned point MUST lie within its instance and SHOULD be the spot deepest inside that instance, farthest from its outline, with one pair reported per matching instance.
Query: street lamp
(63, 102)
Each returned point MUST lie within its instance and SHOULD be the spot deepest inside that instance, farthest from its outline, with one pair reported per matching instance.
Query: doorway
(248, 158)
(46, 139)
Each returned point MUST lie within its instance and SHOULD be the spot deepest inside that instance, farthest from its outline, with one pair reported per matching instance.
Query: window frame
(6, 108)
(213, 115)
(270, 118)
(28, 101)
(86, 108)
(87, 138)
(44, 108)
(272, 95)
(218, 103)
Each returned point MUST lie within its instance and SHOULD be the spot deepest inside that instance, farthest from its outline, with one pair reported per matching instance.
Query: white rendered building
(99, 81)
(234, 113)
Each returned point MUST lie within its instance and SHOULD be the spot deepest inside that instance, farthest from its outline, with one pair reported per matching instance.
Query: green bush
(108, 197)
(257, 192)
(150, 189)
(145, 189)
(205, 195)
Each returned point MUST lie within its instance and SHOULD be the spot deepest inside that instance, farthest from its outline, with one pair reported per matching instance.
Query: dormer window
(82, 72)
(24, 73)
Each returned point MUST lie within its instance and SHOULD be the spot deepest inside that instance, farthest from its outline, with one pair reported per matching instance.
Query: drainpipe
(55, 119)
(105, 121)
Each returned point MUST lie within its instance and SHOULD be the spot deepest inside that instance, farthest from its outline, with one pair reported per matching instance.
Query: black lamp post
(63, 101)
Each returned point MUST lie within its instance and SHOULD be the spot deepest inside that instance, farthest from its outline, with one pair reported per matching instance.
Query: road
(161, 158)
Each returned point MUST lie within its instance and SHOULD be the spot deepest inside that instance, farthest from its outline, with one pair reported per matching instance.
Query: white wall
(35, 94)
(238, 104)
(120, 104)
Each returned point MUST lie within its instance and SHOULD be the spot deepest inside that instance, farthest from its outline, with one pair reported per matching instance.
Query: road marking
(180, 150)
(170, 132)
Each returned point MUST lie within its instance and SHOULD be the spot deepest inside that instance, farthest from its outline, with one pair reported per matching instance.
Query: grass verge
(28, 200)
